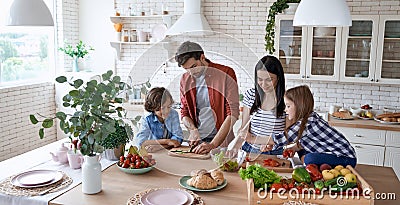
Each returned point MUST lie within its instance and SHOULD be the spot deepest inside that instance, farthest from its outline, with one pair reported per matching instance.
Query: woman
(263, 112)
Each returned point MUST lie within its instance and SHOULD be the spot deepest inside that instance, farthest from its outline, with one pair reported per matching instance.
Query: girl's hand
(290, 150)
(266, 148)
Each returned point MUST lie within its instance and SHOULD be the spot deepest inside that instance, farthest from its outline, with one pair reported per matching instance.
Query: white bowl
(222, 155)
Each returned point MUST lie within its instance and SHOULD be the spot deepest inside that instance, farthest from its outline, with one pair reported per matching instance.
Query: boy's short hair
(188, 50)
(155, 98)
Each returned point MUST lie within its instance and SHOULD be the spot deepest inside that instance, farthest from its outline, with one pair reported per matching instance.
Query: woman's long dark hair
(272, 65)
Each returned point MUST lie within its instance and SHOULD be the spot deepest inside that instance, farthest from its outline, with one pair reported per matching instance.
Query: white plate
(57, 177)
(158, 32)
(35, 177)
(167, 197)
(338, 118)
(384, 122)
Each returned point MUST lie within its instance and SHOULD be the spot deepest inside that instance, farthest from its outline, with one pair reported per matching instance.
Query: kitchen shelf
(360, 37)
(322, 58)
(334, 37)
(118, 19)
(287, 36)
(118, 45)
(357, 59)
(290, 57)
(391, 61)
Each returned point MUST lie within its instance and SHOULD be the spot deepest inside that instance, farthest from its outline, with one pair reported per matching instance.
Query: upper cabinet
(307, 53)
(366, 52)
(388, 52)
(359, 49)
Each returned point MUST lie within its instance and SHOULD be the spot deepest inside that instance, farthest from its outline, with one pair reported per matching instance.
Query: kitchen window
(26, 53)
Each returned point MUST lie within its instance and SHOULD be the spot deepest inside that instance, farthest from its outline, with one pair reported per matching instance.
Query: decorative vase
(114, 154)
(75, 66)
(91, 175)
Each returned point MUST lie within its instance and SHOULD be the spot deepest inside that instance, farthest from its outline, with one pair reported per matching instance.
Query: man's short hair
(188, 50)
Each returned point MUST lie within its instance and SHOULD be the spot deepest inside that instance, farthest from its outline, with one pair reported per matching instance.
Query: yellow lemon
(339, 167)
(344, 171)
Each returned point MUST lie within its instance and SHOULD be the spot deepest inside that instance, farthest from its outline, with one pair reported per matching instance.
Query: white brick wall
(17, 134)
(245, 21)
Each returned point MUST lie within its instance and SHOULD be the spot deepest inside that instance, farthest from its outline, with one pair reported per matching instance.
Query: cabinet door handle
(307, 76)
(372, 80)
(357, 146)
(303, 76)
(376, 80)
(358, 136)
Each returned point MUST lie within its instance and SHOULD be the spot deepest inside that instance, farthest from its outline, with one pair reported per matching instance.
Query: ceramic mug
(75, 160)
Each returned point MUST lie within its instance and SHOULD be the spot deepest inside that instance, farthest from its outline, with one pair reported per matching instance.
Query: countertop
(360, 123)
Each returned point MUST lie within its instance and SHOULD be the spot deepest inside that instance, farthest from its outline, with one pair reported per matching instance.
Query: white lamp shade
(322, 13)
(29, 13)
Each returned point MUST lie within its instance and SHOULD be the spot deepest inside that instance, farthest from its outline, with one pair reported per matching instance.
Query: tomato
(121, 158)
(317, 191)
(133, 159)
(129, 155)
(126, 164)
(138, 157)
(276, 186)
(271, 163)
(285, 153)
(132, 165)
(138, 164)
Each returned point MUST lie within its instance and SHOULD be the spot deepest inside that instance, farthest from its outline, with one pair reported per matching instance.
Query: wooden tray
(187, 154)
(286, 166)
(254, 199)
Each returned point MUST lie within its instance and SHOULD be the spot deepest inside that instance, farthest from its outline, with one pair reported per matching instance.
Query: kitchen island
(118, 187)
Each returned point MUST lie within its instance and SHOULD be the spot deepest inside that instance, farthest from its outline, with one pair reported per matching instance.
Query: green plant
(276, 8)
(117, 138)
(80, 50)
(95, 109)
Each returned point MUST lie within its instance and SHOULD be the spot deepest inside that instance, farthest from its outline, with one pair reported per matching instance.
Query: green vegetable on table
(319, 184)
(300, 174)
(260, 175)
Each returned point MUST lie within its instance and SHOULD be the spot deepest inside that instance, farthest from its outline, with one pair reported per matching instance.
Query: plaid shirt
(152, 129)
(318, 137)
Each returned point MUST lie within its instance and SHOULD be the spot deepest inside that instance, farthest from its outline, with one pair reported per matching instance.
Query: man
(209, 99)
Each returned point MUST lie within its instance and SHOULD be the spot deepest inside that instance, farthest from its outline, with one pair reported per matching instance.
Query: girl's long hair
(303, 101)
(272, 65)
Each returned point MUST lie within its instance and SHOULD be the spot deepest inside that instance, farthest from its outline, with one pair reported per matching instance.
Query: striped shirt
(318, 137)
(262, 122)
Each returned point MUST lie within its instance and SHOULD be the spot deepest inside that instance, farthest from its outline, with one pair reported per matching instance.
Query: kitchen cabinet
(392, 156)
(368, 144)
(132, 22)
(366, 52)
(360, 44)
(375, 146)
(305, 52)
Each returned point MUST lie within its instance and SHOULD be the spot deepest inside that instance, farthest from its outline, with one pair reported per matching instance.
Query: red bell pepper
(315, 174)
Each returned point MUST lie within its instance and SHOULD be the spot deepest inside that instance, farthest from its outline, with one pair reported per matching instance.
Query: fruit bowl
(134, 170)
(228, 160)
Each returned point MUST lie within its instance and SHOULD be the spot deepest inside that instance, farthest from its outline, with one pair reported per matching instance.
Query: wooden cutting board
(187, 155)
(286, 166)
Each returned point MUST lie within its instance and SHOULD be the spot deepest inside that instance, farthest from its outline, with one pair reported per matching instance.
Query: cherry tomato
(129, 155)
(132, 165)
(126, 164)
(121, 158)
(133, 159)
(276, 186)
(138, 164)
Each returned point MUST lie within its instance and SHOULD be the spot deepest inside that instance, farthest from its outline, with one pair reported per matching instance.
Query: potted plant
(276, 8)
(114, 143)
(92, 121)
(80, 50)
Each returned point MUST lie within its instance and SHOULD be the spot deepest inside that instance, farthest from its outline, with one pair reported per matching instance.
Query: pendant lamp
(322, 13)
(29, 13)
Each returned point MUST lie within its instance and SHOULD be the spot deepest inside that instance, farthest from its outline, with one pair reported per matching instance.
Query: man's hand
(203, 148)
(194, 137)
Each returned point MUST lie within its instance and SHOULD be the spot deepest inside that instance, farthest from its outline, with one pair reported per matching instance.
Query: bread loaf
(342, 114)
(218, 176)
(388, 115)
(202, 181)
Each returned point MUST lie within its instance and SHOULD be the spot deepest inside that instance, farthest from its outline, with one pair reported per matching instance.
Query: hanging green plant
(276, 8)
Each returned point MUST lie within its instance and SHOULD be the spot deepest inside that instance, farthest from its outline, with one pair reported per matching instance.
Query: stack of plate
(167, 197)
(36, 178)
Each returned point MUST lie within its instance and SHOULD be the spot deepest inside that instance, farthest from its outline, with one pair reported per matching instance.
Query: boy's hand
(194, 137)
(173, 143)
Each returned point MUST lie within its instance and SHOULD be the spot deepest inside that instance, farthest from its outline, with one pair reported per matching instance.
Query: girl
(161, 125)
(263, 112)
(315, 141)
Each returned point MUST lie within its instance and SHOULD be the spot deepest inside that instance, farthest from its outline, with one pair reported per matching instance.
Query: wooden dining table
(118, 187)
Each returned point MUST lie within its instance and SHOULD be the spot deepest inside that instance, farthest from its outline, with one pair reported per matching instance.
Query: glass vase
(75, 65)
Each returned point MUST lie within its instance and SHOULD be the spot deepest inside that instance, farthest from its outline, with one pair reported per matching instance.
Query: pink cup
(75, 160)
